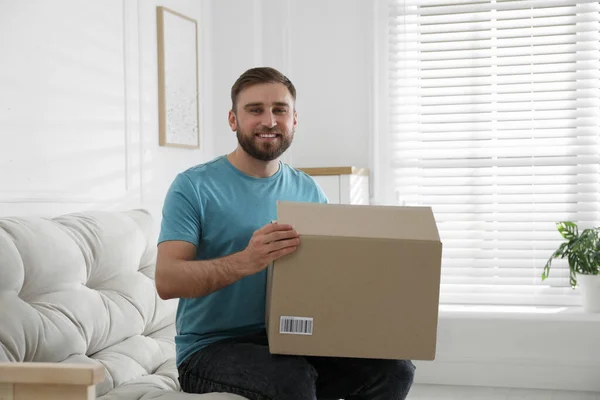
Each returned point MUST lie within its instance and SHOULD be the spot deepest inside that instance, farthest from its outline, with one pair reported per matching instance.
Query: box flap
(381, 222)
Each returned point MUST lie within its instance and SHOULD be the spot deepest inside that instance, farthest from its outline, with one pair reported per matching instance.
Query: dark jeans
(244, 366)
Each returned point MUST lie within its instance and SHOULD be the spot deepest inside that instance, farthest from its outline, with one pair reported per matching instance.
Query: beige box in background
(364, 283)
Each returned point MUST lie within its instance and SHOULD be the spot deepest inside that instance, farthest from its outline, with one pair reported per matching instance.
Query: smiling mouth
(268, 135)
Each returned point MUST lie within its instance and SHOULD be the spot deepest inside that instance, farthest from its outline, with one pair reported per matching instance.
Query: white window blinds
(494, 123)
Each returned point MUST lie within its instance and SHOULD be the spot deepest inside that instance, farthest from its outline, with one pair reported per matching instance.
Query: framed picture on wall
(178, 99)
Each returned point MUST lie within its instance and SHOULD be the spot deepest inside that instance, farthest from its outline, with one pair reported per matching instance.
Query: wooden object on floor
(49, 381)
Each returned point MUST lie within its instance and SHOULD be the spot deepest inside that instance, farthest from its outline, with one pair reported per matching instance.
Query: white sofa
(79, 289)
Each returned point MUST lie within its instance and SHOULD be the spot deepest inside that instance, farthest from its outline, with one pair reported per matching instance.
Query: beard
(265, 151)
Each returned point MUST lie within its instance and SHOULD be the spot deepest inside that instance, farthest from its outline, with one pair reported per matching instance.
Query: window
(493, 121)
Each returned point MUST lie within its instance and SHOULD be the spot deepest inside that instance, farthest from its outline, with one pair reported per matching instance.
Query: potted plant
(583, 253)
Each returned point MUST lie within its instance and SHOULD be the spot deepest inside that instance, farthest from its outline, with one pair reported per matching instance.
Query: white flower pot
(590, 292)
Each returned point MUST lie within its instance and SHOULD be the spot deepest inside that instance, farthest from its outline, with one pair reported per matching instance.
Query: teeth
(268, 136)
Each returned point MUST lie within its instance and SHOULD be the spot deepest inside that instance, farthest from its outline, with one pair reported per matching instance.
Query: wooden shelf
(323, 171)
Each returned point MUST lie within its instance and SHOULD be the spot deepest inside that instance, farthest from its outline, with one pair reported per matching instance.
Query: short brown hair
(258, 75)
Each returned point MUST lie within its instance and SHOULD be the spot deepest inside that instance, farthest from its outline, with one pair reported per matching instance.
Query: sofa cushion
(80, 288)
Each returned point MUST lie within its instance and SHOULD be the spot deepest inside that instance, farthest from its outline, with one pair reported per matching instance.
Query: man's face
(265, 120)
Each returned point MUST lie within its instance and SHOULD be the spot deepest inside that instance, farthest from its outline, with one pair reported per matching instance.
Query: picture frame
(178, 97)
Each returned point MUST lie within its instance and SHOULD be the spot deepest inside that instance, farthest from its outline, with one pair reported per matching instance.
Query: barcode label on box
(296, 326)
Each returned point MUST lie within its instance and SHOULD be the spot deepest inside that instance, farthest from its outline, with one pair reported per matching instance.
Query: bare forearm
(187, 279)
(178, 276)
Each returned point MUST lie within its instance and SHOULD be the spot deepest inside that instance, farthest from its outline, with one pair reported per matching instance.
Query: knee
(398, 376)
(399, 370)
(403, 369)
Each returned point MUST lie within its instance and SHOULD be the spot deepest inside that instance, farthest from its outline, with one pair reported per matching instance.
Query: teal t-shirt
(217, 208)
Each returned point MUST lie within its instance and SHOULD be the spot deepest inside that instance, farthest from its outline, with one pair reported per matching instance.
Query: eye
(255, 110)
(280, 110)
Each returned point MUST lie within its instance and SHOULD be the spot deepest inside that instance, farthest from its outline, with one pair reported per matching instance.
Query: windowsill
(529, 313)
(550, 347)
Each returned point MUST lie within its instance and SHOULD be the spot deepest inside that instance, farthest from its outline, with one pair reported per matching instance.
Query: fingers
(274, 227)
(282, 244)
(280, 235)
(271, 242)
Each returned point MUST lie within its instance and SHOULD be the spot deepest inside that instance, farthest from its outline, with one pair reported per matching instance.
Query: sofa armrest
(49, 381)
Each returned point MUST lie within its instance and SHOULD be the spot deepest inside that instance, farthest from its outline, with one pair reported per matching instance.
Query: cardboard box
(363, 283)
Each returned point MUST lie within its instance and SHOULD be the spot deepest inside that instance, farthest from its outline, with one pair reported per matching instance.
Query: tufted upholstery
(80, 288)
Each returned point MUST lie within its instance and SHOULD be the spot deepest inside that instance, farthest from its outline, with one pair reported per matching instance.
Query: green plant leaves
(561, 251)
(582, 251)
(558, 253)
(568, 230)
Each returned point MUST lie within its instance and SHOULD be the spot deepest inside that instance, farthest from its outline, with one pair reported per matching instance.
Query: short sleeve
(321, 196)
(181, 213)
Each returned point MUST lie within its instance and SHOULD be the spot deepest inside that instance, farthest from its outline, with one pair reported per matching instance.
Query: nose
(268, 120)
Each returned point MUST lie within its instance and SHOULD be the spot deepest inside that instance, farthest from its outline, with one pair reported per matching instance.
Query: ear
(232, 119)
(295, 118)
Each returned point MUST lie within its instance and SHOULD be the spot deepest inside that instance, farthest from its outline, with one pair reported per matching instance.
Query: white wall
(63, 106)
(161, 164)
(330, 63)
(78, 106)
(323, 47)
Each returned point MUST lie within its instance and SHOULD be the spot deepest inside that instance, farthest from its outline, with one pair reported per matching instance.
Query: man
(217, 238)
